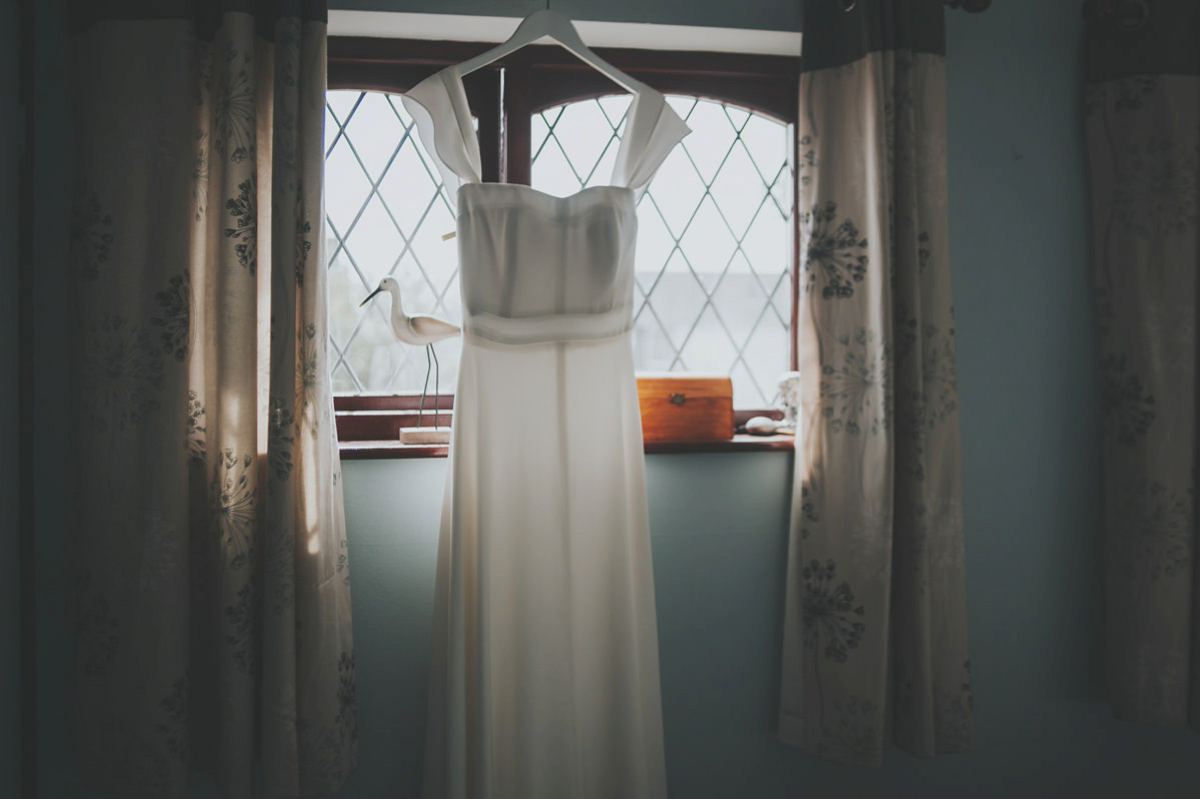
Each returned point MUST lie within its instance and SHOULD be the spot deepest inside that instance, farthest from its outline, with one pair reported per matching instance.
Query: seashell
(761, 426)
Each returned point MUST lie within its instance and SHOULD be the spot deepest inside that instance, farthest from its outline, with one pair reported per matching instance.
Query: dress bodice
(536, 267)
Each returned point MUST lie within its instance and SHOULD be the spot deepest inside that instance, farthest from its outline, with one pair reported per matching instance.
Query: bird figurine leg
(437, 381)
(425, 388)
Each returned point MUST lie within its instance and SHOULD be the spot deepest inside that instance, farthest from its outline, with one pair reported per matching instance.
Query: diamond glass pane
(714, 250)
(385, 215)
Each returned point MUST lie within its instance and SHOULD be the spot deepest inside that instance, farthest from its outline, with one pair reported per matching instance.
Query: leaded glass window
(714, 257)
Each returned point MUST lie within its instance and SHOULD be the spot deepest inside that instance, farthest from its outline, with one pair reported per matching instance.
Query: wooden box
(685, 407)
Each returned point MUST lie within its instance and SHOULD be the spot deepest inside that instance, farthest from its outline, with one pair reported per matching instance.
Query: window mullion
(485, 95)
(518, 119)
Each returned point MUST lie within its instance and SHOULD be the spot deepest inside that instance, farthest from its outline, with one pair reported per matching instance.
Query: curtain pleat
(875, 636)
(209, 584)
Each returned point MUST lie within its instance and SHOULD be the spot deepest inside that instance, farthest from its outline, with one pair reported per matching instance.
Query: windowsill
(386, 450)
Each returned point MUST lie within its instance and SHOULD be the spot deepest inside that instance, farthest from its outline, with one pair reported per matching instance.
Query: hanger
(545, 22)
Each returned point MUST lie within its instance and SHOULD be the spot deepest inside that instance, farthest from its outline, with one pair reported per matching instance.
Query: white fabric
(438, 105)
(544, 681)
(652, 129)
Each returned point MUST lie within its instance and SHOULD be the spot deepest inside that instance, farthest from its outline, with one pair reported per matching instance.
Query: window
(716, 228)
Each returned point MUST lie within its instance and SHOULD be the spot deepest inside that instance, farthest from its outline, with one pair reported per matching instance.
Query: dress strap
(438, 106)
(652, 129)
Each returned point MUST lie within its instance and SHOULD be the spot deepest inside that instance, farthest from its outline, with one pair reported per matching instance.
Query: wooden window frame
(538, 77)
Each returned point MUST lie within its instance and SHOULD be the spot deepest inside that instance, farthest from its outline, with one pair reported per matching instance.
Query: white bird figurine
(420, 330)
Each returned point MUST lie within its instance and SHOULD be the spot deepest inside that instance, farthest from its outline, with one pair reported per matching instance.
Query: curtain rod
(973, 6)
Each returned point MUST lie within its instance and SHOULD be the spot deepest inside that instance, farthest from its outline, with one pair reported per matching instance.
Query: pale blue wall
(1028, 406)
(11, 133)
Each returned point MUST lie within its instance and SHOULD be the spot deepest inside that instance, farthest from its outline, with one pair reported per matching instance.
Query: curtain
(1142, 130)
(875, 636)
(209, 593)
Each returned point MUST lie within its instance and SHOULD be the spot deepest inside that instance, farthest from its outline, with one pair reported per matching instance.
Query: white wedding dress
(545, 680)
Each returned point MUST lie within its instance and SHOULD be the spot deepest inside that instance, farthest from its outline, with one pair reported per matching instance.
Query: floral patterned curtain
(875, 637)
(1142, 127)
(209, 584)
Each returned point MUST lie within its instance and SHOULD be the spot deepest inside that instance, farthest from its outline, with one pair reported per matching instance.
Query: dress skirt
(545, 677)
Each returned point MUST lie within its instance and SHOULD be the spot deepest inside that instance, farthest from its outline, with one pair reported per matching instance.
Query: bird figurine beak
(369, 296)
